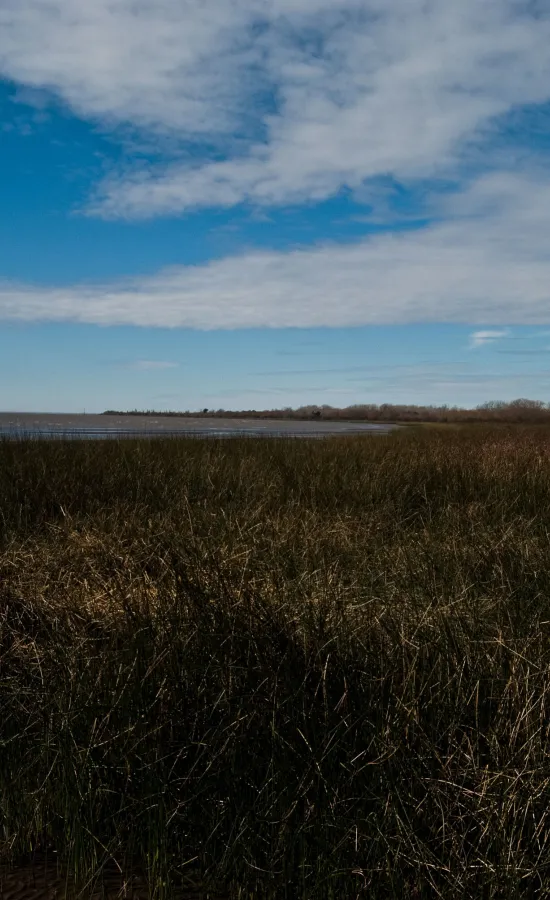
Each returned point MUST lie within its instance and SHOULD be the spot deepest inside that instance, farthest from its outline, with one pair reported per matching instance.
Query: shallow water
(72, 426)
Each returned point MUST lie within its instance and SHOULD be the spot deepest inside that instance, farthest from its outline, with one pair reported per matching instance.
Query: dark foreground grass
(298, 669)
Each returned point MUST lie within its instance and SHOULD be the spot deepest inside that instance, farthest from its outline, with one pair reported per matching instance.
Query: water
(70, 426)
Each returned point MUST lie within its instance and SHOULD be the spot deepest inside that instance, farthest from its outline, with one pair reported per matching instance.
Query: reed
(295, 669)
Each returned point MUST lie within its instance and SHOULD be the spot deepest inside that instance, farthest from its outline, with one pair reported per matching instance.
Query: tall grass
(296, 669)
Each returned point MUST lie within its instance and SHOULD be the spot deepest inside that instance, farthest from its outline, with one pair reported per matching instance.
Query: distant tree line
(514, 411)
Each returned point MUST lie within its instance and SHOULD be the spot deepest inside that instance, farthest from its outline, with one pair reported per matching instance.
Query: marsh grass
(293, 669)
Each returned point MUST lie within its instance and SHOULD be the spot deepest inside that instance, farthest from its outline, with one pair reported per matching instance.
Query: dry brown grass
(316, 670)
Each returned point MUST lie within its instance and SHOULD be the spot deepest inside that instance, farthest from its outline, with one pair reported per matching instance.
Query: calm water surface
(66, 425)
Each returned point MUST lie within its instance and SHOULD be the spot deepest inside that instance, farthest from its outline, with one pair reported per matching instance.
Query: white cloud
(481, 338)
(489, 270)
(361, 88)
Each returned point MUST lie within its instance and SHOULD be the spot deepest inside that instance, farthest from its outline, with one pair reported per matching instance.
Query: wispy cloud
(485, 271)
(438, 383)
(322, 95)
(526, 351)
(417, 383)
(147, 364)
(481, 338)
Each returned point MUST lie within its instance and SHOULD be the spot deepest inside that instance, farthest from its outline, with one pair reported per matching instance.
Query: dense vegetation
(521, 411)
(301, 669)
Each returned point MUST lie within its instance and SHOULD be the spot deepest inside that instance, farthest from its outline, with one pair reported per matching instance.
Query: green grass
(301, 669)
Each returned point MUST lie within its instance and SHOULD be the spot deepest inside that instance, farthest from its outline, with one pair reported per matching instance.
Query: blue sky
(271, 203)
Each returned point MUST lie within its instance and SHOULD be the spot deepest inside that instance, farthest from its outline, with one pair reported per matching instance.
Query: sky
(249, 204)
